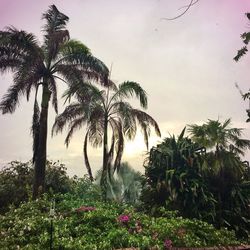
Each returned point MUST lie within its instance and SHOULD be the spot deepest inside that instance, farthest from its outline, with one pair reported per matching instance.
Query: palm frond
(10, 100)
(75, 53)
(240, 53)
(53, 89)
(71, 112)
(17, 44)
(146, 132)
(144, 117)
(130, 89)
(84, 92)
(55, 32)
(9, 64)
(96, 126)
(123, 110)
(55, 20)
(96, 133)
(73, 126)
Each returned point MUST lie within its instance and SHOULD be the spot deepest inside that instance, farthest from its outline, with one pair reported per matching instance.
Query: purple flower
(85, 209)
(168, 244)
(123, 218)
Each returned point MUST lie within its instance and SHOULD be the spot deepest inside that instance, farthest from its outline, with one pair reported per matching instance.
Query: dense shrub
(89, 224)
(16, 181)
(212, 186)
(174, 179)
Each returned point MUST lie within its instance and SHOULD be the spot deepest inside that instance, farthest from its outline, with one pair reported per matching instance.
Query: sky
(186, 67)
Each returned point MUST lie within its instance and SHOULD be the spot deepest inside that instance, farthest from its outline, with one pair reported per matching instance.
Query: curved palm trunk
(40, 158)
(104, 180)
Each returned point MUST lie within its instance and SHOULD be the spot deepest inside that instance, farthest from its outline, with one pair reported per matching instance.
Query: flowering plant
(124, 218)
(168, 244)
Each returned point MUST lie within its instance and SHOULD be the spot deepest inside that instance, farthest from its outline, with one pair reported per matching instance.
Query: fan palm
(125, 186)
(225, 145)
(104, 111)
(219, 136)
(34, 66)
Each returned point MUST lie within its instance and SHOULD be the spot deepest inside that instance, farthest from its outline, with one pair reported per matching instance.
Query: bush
(89, 224)
(17, 179)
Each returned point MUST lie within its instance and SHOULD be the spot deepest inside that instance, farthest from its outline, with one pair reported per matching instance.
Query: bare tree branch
(192, 2)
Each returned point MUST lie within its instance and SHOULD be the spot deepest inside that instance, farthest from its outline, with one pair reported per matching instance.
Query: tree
(225, 172)
(104, 111)
(18, 176)
(219, 136)
(246, 38)
(174, 178)
(34, 66)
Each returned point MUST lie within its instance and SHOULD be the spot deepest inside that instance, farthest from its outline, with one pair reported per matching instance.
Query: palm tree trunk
(104, 181)
(40, 158)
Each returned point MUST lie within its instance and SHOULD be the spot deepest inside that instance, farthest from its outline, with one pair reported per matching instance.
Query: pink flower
(85, 209)
(168, 244)
(123, 218)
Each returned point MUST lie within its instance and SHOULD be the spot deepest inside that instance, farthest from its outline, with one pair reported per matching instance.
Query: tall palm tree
(35, 65)
(104, 111)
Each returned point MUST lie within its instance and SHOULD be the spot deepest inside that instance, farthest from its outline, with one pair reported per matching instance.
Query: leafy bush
(89, 224)
(124, 185)
(17, 179)
(174, 179)
(212, 186)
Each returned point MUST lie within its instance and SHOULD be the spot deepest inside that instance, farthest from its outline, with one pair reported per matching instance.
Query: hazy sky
(186, 66)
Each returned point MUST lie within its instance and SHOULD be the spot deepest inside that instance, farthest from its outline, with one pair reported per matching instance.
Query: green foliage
(245, 38)
(85, 189)
(103, 110)
(226, 175)
(18, 178)
(37, 66)
(212, 186)
(124, 185)
(240, 53)
(100, 228)
(174, 179)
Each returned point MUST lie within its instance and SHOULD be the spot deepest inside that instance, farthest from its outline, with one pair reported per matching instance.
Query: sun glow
(137, 147)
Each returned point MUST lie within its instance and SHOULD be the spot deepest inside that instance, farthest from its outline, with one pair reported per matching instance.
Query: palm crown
(219, 135)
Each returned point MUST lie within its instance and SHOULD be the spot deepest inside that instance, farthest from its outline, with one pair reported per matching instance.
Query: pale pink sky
(186, 66)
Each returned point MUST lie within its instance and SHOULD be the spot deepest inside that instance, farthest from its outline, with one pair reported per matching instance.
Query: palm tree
(225, 147)
(34, 66)
(104, 111)
(219, 136)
